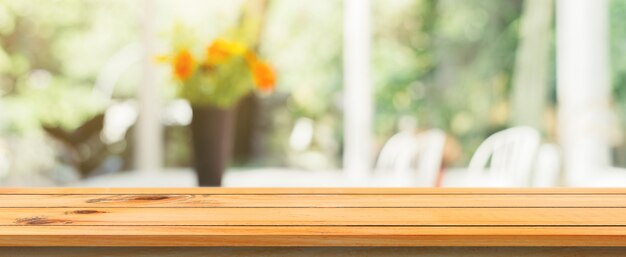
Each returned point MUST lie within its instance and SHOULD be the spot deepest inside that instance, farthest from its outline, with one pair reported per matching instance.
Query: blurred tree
(53, 50)
(531, 75)
(304, 42)
(617, 12)
(50, 55)
(448, 63)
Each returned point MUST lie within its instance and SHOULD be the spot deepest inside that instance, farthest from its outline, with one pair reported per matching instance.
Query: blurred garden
(457, 65)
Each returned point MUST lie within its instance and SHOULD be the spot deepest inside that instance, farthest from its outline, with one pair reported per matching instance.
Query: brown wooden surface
(312, 252)
(312, 217)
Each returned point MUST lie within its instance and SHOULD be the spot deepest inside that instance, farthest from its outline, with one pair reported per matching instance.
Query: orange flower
(183, 64)
(264, 75)
(221, 50)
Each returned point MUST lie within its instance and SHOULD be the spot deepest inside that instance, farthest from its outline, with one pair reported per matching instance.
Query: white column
(357, 93)
(583, 87)
(148, 133)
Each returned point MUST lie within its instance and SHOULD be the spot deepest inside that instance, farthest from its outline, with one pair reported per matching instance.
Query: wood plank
(312, 217)
(180, 236)
(308, 201)
(313, 251)
(330, 191)
(316, 216)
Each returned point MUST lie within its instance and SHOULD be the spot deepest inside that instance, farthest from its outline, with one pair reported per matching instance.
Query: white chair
(412, 155)
(505, 158)
(547, 170)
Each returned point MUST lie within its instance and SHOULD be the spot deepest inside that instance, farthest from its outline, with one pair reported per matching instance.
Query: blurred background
(372, 93)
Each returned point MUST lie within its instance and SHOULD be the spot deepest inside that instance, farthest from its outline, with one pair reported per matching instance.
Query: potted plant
(213, 80)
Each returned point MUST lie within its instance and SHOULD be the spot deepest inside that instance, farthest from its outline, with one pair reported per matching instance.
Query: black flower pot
(212, 139)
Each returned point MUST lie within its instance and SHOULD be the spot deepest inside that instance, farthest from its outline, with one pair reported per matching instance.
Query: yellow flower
(162, 58)
(221, 50)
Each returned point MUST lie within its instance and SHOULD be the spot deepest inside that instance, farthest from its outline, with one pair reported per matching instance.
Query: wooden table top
(312, 217)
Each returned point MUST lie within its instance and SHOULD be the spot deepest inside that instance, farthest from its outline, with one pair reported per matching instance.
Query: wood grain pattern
(315, 216)
(308, 200)
(312, 252)
(312, 217)
(300, 191)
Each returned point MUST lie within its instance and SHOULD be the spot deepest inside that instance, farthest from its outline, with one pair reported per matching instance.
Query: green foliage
(70, 41)
(223, 87)
(447, 63)
(303, 39)
(617, 12)
(618, 49)
(57, 105)
(220, 84)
